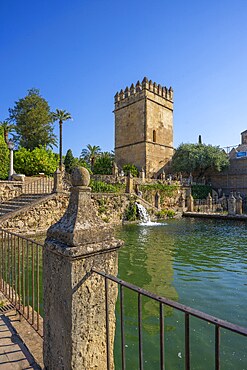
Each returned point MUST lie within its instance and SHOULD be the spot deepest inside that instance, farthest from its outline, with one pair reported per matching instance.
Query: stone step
(19, 202)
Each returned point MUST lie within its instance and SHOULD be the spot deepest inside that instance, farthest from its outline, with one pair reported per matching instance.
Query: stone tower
(144, 126)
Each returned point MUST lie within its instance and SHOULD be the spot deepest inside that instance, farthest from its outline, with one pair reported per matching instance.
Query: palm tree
(90, 154)
(61, 116)
(7, 128)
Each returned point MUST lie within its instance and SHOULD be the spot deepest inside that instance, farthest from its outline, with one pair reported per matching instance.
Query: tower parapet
(140, 88)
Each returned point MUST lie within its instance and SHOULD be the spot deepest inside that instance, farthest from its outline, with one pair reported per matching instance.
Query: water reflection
(201, 264)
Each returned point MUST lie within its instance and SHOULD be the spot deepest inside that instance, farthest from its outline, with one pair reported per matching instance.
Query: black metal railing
(163, 302)
(21, 276)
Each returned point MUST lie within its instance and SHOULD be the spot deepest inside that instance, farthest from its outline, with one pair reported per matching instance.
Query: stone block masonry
(144, 126)
(75, 326)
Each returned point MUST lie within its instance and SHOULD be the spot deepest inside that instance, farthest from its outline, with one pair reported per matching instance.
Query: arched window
(154, 136)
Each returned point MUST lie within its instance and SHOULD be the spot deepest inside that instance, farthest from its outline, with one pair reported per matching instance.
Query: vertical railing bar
(12, 268)
(187, 341)
(15, 278)
(33, 293)
(217, 347)
(2, 277)
(19, 274)
(38, 301)
(23, 278)
(140, 331)
(107, 325)
(1, 259)
(6, 263)
(122, 327)
(28, 298)
(162, 352)
(9, 269)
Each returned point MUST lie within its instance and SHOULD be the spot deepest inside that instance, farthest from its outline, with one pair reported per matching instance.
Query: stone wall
(110, 208)
(167, 200)
(232, 179)
(9, 189)
(37, 218)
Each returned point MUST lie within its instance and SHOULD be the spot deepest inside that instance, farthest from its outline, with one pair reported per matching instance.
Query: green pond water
(199, 263)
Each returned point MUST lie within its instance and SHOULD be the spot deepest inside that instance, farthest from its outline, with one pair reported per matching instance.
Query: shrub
(166, 213)
(103, 187)
(103, 164)
(130, 168)
(33, 162)
(200, 191)
(167, 190)
(130, 213)
(4, 157)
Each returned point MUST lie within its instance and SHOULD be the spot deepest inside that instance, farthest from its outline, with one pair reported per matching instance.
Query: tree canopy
(7, 128)
(90, 154)
(103, 164)
(33, 162)
(33, 121)
(199, 159)
(4, 156)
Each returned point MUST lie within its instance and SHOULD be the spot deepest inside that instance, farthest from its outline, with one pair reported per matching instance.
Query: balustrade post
(239, 205)
(75, 324)
(58, 186)
(231, 205)
(129, 183)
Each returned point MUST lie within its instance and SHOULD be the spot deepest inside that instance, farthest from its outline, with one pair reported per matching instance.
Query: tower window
(154, 136)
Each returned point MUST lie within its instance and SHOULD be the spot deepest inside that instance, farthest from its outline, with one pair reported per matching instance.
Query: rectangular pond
(199, 263)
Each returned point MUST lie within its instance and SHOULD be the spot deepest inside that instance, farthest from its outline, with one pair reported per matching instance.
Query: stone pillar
(239, 205)
(182, 201)
(129, 183)
(114, 169)
(58, 186)
(190, 203)
(231, 205)
(224, 202)
(142, 174)
(74, 296)
(190, 179)
(157, 200)
(209, 202)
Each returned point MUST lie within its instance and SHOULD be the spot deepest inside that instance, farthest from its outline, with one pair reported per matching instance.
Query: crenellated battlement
(146, 85)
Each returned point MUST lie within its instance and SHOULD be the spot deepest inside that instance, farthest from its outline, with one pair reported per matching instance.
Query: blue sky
(80, 52)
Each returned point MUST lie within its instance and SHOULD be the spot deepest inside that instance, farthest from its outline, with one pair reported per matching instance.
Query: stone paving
(20, 345)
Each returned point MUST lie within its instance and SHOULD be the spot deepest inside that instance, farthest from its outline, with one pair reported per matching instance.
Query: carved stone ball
(80, 176)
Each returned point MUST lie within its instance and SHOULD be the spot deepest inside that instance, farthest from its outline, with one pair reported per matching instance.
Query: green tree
(130, 168)
(103, 164)
(7, 128)
(4, 156)
(33, 121)
(33, 162)
(61, 116)
(199, 159)
(90, 154)
(69, 161)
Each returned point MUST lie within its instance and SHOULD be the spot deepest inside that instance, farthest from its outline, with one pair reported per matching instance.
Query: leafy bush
(4, 157)
(33, 162)
(130, 213)
(166, 213)
(103, 187)
(103, 164)
(200, 191)
(167, 190)
(130, 168)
